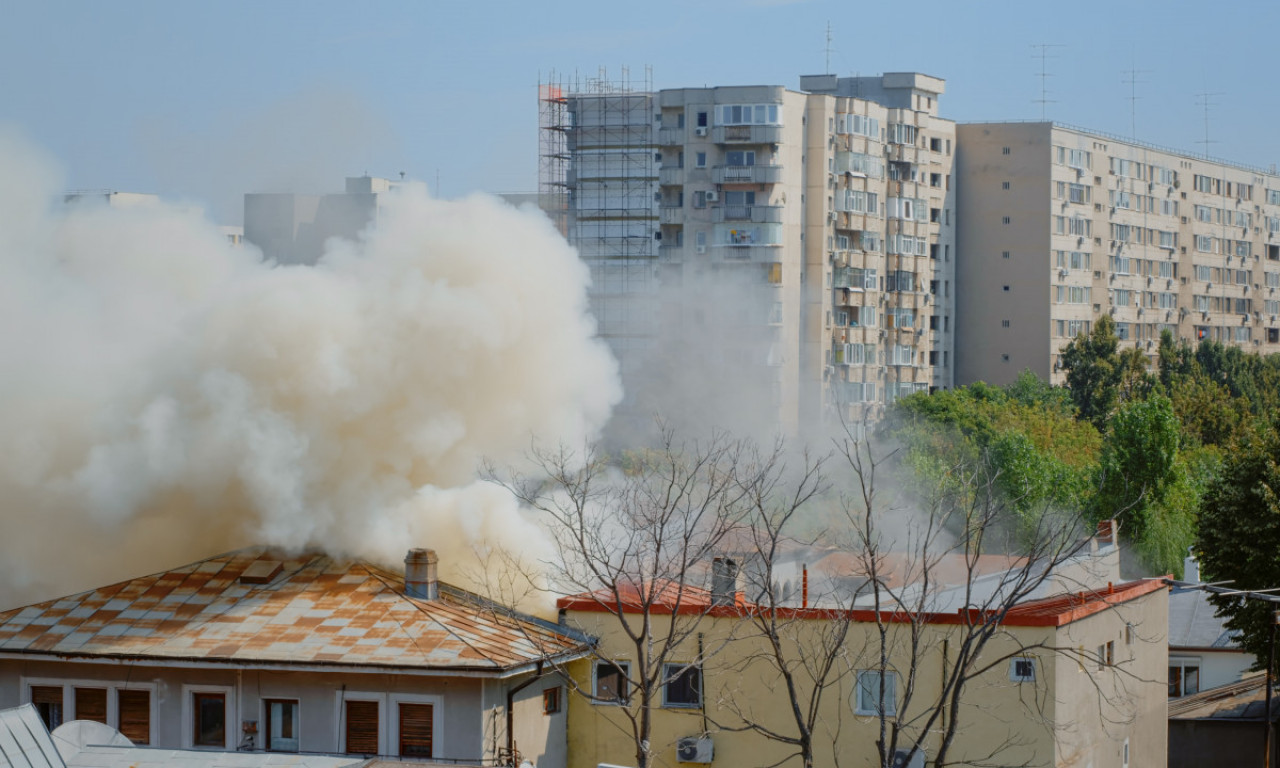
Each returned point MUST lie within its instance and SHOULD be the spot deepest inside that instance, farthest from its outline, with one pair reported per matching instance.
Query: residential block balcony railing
(747, 174)
(746, 134)
(760, 214)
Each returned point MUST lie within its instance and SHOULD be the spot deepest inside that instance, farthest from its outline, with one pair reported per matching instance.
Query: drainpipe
(511, 712)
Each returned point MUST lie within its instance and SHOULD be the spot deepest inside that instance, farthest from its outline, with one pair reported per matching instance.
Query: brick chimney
(420, 574)
(1107, 530)
(724, 581)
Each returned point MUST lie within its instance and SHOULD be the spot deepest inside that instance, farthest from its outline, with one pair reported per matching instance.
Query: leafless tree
(633, 538)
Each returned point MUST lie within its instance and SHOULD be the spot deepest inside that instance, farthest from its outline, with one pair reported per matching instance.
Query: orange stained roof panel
(314, 609)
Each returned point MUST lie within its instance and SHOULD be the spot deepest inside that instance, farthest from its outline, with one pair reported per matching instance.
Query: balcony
(747, 174)
(668, 137)
(671, 214)
(746, 134)
(759, 214)
(670, 176)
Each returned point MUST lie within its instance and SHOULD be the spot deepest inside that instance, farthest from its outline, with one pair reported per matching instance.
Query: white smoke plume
(166, 397)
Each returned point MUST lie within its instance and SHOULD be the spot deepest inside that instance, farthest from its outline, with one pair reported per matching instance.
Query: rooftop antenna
(1205, 99)
(827, 70)
(1043, 54)
(1132, 81)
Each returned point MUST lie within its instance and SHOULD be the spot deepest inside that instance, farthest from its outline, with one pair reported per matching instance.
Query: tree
(1099, 375)
(632, 538)
(1144, 482)
(1239, 534)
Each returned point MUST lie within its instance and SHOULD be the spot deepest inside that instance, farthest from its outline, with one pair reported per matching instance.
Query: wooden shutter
(415, 730)
(91, 704)
(48, 702)
(135, 715)
(362, 727)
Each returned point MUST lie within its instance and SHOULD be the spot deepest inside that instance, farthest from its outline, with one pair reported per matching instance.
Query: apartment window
(47, 699)
(281, 731)
(209, 719)
(740, 158)
(611, 681)
(700, 159)
(1022, 669)
(1005, 220)
(360, 726)
(1004, 254)
(1004, 358)
(91, 704)
(1005, 289)
(935, 180)
(702, 119)
(1004, 150)
(683, 687)
(134, 713)
(1107, 651)
(416, 721)
(868, 693)
(551, 701)
(1124, 757)
(1184, 677)
(747, 114)
(1004, 323)
(1004, 185)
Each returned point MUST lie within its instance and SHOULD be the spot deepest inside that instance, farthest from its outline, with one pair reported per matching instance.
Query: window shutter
(362, 727)
(48, 702)
(135, 715)
(91, 704)
(415, 730)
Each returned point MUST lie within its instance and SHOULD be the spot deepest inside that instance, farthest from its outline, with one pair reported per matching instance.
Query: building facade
(293, 228)
(1059, 225)
(792, 247)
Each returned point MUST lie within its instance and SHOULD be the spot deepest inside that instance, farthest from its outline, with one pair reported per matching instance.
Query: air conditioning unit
(700, 131)
(712, 196)
(900, 759)
(700, 248)
(694, 750)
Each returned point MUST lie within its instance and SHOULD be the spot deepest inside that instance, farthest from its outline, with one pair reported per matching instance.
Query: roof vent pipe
(420, 574)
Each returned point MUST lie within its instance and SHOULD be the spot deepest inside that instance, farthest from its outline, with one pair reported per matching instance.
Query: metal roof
(312, 610)
(24, 741)
(151, 757)
(1192, 623)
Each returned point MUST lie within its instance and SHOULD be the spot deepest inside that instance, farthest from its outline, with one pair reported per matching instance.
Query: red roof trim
(1048, 612)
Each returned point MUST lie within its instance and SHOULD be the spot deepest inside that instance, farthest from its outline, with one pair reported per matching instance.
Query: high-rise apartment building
(293, 228)
(794, 248)
(1059, 225)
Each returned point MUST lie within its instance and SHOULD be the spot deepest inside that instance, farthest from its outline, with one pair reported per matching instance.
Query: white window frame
(232, 721)
(264, 715)
(341, 697)
(1014, 676)
(393, 720)
(112, 687)
(891, 694)
(625, 666)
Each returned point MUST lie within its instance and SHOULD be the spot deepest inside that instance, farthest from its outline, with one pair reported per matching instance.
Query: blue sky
(205, 101)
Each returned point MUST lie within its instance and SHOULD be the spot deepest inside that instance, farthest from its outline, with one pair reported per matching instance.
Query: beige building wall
(1059, 226)
(1074, 713)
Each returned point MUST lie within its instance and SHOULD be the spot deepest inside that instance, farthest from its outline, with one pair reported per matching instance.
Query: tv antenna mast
(1205, 100)
(1043, 54)
(1131, 80)
(827, 70)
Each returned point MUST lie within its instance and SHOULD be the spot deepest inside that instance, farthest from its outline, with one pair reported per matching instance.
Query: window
(700, 159)
(611, 681)
(1003, 184)
(416, 725)
(209, 719)
(868, 693)
(1004, 220)
(91, 704)
(1107, 651)
(47, 700)
(1184, 677)
(1022, 669)
(551, 701)
(360, 727)
(1004, 150)
(740, 158)
(281, 717)
(702, 119)
(747, 114)
(134, 708)
(683, 687)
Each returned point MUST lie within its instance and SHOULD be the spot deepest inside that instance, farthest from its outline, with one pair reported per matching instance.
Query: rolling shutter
(135, 715)
(415, 730)
(91, 704)
(362, 727)
(48, 702)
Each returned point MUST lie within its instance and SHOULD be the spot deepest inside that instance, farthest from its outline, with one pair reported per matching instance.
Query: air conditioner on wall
(712, 196)
(700, 131)
(900, 759)
(694, 750)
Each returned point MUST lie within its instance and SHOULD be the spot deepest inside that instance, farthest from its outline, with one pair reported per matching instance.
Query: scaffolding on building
(598, 181)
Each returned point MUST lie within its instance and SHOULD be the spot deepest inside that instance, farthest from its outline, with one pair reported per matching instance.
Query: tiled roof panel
(314, 610)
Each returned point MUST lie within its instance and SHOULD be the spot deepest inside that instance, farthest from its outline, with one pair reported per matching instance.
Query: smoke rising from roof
(166, 396)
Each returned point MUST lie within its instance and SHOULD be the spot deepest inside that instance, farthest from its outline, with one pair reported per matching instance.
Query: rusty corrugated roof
(315, 610)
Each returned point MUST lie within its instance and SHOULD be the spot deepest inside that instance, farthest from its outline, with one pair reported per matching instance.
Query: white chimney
(420, 574)
(1190, 568)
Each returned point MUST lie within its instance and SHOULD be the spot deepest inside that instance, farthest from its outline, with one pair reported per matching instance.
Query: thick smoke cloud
(166, 397)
